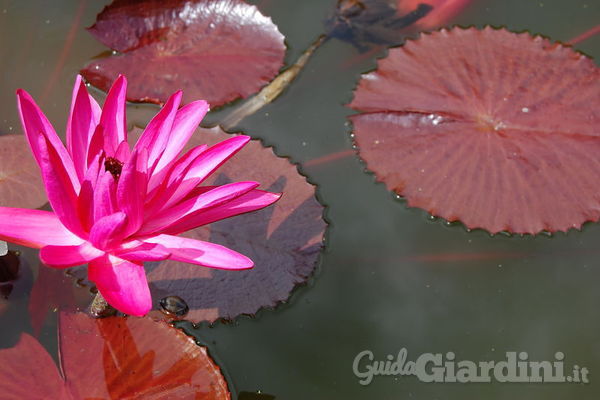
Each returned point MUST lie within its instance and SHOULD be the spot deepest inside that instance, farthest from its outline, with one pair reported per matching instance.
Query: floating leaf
(20, 182)
(217, 50)
(283, 240)
(495, 129)
(41, 380)
(111, 358)
(53, 290)
(372, 22)
(443, 11)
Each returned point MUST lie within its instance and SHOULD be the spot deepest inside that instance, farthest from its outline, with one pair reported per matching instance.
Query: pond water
(390, 277)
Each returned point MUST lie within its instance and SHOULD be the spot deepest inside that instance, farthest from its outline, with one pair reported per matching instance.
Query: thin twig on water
(272, 90)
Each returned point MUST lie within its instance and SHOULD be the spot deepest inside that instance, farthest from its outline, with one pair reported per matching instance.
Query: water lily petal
(123, 152)
(69, 256)
(158, 132)
(202, 253)
(187, 120)
(139, 251)
(35, 125)
(83, 119)
(113, 119)
(212, 198)
(198, 190)
(204, 165)
(160, 185)
(122, 283)
(105, 201)
(182, 166)
(85, 200)
(131, 189)
(61, 193)
(34, 228)
(96, 145)
(251, 201)
(108, 230)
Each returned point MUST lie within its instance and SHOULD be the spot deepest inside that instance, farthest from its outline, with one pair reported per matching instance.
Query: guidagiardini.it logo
(440, 368)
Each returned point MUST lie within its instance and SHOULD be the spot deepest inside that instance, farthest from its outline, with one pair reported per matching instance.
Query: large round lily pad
(496, 129)
(111, 358)
(284, 240)
(218, 50)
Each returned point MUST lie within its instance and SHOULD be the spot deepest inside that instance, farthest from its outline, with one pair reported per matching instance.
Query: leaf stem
(585, 36)
(272, 90)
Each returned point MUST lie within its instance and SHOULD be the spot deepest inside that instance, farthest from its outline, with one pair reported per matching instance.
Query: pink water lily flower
(115, 206)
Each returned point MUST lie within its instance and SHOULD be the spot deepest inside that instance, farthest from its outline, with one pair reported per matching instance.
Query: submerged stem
(585, 35)
(273, 89)
(100, 308)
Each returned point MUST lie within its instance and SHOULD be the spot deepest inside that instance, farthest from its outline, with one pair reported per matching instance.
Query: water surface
(390, 277)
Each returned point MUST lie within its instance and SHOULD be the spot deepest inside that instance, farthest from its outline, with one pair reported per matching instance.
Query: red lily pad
(495, 129)
(111, 358)
(217, 50)
(54, 290)
(20, 181)
(284, 240)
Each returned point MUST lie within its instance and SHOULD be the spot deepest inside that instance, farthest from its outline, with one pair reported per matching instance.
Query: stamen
(113, 166)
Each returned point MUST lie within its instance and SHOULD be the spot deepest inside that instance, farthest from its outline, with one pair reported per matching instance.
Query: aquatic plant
(116, 207)
(496, 129)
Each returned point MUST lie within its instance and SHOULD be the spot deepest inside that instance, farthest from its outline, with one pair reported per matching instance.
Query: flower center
(113, 166)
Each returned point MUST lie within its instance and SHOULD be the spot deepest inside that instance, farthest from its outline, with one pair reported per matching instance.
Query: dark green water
(376, 287)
